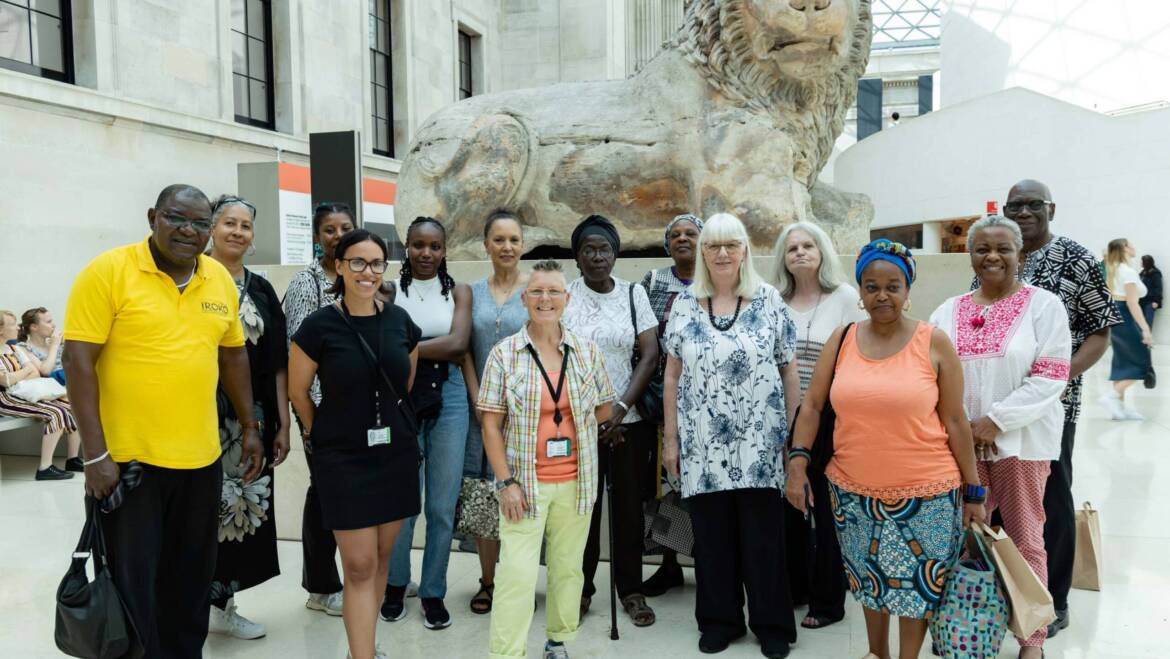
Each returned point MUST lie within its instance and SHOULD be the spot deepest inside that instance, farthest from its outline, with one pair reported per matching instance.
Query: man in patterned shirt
(1065, 268)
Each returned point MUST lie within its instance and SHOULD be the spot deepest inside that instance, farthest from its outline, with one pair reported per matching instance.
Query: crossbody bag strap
(371, 355)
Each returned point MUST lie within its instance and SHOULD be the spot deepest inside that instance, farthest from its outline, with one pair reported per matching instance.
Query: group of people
(820, 439)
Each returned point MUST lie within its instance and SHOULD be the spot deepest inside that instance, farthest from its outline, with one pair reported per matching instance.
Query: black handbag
(649, 405)
(92, 621)
(1151, 379)
(427, 392)
(822, 449)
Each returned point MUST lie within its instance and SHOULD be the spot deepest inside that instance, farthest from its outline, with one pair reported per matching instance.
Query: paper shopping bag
(1087, 560)
(1030, 602)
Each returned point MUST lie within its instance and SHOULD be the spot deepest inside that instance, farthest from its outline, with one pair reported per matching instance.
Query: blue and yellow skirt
(898, 551)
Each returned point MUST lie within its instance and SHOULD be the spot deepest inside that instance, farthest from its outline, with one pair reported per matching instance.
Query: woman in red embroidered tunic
(1015, 346)
(902, 449)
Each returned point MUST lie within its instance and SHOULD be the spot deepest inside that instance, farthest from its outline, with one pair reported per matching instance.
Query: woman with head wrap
(681, 241)
(902, 478)
(616, 315)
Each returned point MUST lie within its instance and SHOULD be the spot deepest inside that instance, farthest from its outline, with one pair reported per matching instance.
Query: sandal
(482, 602)
(819, 622)
(638, 610)
(585, 602)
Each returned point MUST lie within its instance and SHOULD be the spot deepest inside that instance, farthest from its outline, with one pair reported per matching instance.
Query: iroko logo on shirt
(217, 308)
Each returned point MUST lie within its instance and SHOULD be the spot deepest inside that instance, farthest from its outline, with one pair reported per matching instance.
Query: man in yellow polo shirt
(150, 329)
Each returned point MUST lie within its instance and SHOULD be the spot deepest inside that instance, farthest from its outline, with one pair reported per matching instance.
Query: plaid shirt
(512, 386)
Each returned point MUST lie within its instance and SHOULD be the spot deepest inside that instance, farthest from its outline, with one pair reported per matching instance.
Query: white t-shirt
(427, 307)
(605, 320)
(815, 326)
(1126, 274)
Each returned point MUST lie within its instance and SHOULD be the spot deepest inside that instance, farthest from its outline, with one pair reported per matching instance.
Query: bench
(13, 423)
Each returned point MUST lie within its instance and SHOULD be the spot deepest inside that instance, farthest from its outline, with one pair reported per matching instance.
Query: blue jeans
(442, 441)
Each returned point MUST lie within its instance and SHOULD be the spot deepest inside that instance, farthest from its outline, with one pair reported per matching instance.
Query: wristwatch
(500, 485)
(974, 494)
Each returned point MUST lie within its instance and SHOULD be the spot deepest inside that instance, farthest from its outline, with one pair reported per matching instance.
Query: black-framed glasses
(179, 221)
(605, 251)
(359, 265)
(1034, 205)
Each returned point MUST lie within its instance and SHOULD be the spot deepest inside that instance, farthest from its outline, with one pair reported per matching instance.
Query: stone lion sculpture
(739, 112)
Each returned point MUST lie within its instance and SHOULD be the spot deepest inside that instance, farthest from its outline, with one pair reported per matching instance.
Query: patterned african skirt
(898, 551)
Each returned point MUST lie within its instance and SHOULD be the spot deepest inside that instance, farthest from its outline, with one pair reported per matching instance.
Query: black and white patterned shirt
(1073, 274)
(307, 292)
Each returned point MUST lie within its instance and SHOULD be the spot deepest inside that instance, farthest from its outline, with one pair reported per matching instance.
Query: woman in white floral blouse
(730, 346)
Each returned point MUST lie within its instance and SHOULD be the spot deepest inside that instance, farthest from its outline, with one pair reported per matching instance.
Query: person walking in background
(551, 388)
(442, 310)
(1132, 339)
(603, 309)
(1069, 271)
(809, 277)
(363, 434)
(681, 241)
(247, 529)
(1014, 344)
(902, 479)
(497, 312)
(38, 335)
(151, 329)
(730, 390)
(309, 291)
(1152, 277)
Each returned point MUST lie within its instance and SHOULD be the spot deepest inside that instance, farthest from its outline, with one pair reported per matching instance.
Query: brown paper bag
(1030, 602)
(1087, 560)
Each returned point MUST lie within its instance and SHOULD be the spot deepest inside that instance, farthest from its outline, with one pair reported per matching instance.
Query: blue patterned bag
(972, 618)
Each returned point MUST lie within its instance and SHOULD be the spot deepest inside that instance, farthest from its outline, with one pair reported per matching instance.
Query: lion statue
(738, 112)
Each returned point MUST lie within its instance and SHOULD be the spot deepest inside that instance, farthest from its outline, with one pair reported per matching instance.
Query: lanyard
(374, 357)
(554, 392)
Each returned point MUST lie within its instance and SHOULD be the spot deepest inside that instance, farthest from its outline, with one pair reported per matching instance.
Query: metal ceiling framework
(906, 23)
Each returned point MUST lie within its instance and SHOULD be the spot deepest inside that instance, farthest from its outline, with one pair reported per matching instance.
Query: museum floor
(1121, 467)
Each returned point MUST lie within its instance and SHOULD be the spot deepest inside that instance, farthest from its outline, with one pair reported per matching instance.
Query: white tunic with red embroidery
(1015, 355)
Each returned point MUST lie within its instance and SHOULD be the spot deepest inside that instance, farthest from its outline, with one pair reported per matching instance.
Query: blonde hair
(725, 227)
(1114, 256)
(4, 315)
(829, 272)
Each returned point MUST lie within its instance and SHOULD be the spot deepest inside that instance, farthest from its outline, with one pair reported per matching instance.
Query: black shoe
(435, 615)
(662, 580)
(74, 464)
(713, 642)
(1060, 623)
(394, 603)
(53, 473)
(774, 649)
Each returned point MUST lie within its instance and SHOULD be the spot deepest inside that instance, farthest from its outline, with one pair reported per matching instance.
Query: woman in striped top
(809, 278)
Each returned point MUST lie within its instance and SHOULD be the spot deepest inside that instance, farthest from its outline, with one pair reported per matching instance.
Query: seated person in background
(38, 335)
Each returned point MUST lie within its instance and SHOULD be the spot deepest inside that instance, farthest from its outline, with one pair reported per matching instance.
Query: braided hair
(406, 274)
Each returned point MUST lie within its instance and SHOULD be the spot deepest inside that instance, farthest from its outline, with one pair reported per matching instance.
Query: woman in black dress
(363, 433)
(247, 530)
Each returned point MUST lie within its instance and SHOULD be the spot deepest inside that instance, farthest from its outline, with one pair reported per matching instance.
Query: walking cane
(613, 628)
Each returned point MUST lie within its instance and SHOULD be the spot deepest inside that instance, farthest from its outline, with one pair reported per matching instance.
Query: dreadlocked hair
(406, 274)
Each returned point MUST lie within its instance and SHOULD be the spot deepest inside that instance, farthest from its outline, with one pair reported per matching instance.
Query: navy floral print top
(732, 425)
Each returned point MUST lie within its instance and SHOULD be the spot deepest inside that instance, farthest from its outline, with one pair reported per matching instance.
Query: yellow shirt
(159, 366)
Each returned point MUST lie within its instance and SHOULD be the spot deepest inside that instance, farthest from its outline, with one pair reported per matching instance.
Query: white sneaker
(1112, 404)
(1134, 415)
(330, 603)
(378, 654)
(229, 621)
(412, 589)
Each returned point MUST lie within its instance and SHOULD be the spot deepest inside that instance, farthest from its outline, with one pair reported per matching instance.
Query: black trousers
(1060, 528)
(628, 472)
(816, 572)
(739, 545)
(162, 544)
(318, 546)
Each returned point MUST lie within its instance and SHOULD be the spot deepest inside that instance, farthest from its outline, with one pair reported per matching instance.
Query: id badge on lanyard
(555, 447)
(379, 435)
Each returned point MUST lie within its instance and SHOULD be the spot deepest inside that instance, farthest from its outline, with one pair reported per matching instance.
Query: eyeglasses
(715, 248)
(179, 221)
(605, 251)
(550, 293)
(1035, 205)
(359, 265)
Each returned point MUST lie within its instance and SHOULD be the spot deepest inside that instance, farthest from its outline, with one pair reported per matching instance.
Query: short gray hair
(829, 273)
(995, 221)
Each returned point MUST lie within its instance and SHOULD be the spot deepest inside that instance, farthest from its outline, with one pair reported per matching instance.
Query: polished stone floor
(1123, 468)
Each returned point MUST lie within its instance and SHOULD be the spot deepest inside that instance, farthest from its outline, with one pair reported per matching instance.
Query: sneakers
(75, 464)
(378, 654)
(1113, 405)
(330, 603)
(435, 615)
(229, 621)
(555, 651)
(1134, 415)
(53, 473)
(394, 603)
(412, 589)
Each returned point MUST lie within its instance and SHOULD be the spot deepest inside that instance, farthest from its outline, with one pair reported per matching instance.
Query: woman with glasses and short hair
(363, 433)
(730, 389)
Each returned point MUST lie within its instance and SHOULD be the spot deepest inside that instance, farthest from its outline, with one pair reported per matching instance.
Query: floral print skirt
(898, 552)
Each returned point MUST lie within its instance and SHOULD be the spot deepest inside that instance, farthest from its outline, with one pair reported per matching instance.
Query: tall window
(252, 62)
(465, 81)
(37, 37)
(381, 78)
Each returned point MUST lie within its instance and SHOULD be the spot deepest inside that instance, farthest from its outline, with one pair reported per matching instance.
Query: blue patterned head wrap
(884, 249)
(685, 217)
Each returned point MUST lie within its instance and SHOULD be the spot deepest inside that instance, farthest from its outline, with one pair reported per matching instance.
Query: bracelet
(623, 404)
(254, 425)
(799, 452)
(974, 494)
(96, 460)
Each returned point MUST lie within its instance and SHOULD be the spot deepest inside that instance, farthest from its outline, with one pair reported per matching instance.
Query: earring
(908, 306)
(318, 251)
(861, 305)
(251, 250)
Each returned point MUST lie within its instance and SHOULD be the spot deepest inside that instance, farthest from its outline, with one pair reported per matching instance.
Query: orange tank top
(889, 441)
(555, 470)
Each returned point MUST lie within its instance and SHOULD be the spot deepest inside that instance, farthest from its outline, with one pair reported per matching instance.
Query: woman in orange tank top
(902, 452)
